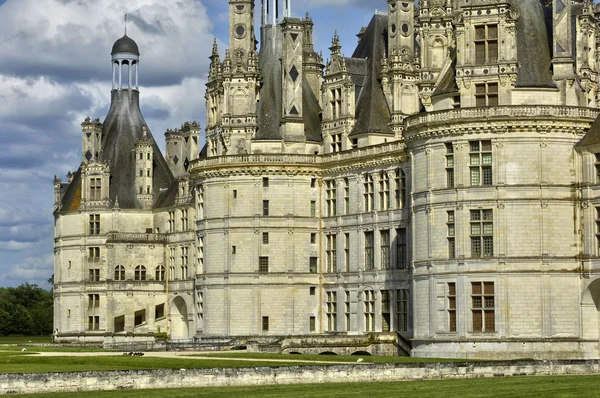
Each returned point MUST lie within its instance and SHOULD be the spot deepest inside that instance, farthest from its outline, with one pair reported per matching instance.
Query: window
(172, 263)
(313, 208)
(482, 298)
(385, 248)
(385, 311)
(482, 233)
(401, 252)
(119, 273)
(313, 238)
(331, 253)
(331, 311)
(347, 252)
(265, 208)
(94, 275)
(265, 323)
(597, 166)
(335, 99)
(94, 253)
(402, 309)
(233, 250)
(400, 180)
(93, 300)
(449, 165)
(263, 265)
(384, 191)
(94, 224)
(347, 309)
(265, 238)
(486, 44)
(451, 305)
(171, 221)
(265, 182)
(486, 94)
(312, 323)
(368, 194)
(95, 189)
(480, 162)
(346, 196)
(141, 171)
(312, 291)
(159, 311)
(313, 265)
(93, 323)
(139, 317)
(235, 193)
(160, 273)
(119, 323)
(451, 234)
(200, 253)
(184, 262)
(355, 143)
(369, 251)
(140, 273)
(369, 307)
(336, 142)
(313, 182)
(598, 228)
(330, 194)
(184, 220)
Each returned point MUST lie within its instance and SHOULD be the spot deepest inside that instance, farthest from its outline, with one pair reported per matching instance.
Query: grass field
(513, 387)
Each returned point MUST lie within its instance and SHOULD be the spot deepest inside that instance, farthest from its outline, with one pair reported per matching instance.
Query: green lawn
(512, 387)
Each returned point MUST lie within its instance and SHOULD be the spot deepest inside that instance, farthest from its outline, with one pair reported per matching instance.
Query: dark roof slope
(533, 51)
(372, 109)
(592, 137)
(269, 106)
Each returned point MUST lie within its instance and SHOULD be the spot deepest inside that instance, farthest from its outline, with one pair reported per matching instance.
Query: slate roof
(372, 109)
(592, 137)
(125, 45)
(533, 46)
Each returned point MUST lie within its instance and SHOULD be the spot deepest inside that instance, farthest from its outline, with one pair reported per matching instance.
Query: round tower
(125, 64)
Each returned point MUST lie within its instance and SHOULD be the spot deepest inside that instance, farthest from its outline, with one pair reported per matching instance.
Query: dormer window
(95, 188)
(486, 44)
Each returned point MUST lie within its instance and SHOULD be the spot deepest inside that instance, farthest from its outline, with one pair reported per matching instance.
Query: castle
(438, 192)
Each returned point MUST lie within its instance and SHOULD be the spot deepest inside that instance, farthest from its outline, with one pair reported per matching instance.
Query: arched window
(119, 273)
(160, 273)
(140, 273)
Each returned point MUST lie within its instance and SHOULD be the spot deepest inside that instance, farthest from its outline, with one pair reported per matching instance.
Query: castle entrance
(179, 319)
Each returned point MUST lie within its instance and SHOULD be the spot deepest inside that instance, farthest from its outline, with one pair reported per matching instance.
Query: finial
(125, 24)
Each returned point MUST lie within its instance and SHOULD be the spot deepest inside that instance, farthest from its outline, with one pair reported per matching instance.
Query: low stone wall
(148, 379)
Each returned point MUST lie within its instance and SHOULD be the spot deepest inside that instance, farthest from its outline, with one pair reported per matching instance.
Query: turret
(312, 63)
(144, 158)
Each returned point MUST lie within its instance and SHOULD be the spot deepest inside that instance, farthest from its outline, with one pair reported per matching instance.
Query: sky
(55, 71)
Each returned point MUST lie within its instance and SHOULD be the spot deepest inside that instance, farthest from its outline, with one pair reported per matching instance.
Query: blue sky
(55, 71)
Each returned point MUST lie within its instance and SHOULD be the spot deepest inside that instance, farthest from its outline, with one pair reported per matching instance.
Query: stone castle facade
(438, 191)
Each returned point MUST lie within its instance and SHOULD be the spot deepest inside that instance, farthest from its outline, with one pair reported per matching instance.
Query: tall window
(331, 253)
(95, 189)
(385, 310)
(94, 275)
(184, 262)
(369, 251)
(598, 229)
(482, 233)
(93, 300)
(265, 208)
(313, 265)
(119, 273)
(140, 273)
(331, 311)
(597, 166)
(451, 235)
(369, 310)
(346, 196)
(400, 192)
(139, 317)
(335, 99)
(330, 194)
(313, 208)
(265, 238)
(201, 254)
(480, 162)
(263, 265)
(346, 252)
(265, 323)
(172, 263)
(449, 165)
(265, 182)
(369, 194)
(486, 94)
(94, 254)
(384, 191)
(451, 305)
(336, 142)
(482, 297)
(402, 309)
(312, 323)
(160, 273)
(171, 221)
(93, 323)
(385, 249)
(486, 44)
(347, 309)
(94, 224)
(184, 220)
(401, 252)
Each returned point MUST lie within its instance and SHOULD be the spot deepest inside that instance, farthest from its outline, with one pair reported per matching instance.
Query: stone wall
(191, 378)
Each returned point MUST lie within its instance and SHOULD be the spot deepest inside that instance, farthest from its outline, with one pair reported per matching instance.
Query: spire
(215, 50)
(336, 47)
(125, 24)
